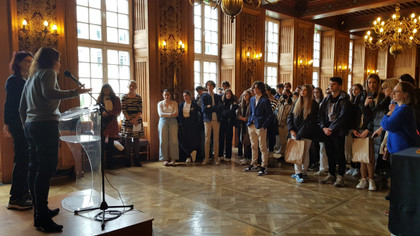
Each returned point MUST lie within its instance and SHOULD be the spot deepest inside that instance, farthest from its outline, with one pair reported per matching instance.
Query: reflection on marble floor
(223, 200)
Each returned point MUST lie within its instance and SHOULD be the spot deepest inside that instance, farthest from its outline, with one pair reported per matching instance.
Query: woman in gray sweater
(39, 114)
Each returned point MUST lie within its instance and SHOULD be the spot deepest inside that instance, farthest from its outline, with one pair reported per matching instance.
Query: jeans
(334, 145)
(168, 138)
(43, 155)
(19, 188)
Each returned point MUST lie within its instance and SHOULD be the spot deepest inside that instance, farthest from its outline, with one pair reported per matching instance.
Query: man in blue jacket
(211, 105)
(260, 118)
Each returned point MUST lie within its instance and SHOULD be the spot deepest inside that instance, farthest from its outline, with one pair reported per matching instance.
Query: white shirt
(186, 109)
(167, 108)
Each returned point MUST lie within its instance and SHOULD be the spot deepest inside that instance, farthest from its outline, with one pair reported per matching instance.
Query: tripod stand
(104, 215)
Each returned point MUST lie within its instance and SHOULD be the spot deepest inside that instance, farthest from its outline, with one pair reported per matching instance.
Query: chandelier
(231, 7)
(396, 33)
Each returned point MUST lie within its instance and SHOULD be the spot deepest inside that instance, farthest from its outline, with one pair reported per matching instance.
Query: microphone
(68, 74)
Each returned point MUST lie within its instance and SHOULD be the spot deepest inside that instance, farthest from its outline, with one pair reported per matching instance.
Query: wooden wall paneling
(304, 42)
(327, 58)
(371, 60)
(286, 51)
(8, 30)
(405, 63)
(250, 29)
(341, 57)
(358, 62)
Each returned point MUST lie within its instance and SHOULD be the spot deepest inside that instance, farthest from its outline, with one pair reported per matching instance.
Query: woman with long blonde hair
(302, 124)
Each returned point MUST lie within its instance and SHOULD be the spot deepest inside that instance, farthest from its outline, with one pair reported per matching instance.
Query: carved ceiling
(353, 16)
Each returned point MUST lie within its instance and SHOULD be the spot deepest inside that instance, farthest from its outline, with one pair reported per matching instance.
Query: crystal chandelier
(231, 7)
(396, 33)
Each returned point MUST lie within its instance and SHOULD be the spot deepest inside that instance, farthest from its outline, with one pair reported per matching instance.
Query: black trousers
(19, 189)
(132, 143)
(225, 134)
(43, 155)
(334, 146)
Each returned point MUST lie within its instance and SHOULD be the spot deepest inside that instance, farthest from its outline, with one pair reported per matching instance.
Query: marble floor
(223, 200)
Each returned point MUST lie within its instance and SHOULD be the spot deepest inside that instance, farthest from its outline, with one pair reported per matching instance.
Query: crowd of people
(202, 128)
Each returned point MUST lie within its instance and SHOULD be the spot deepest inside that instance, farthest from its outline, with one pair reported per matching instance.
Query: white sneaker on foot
(188, 161)
(217, 161)
(350, 171)
(339, 182)
(362, 184)
(372, 185)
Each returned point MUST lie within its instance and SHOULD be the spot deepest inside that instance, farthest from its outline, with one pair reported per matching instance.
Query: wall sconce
(343, 69)
(24, 26)
(257, 57)
(305, 65)
(164, 46)
(369, 71)
(179, 48)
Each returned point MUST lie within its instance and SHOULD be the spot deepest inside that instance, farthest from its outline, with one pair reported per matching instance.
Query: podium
(80, 128)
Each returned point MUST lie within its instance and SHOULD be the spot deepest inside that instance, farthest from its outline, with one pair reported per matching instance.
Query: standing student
(168, 129)
(333, 121)
(318, 146)
(211, 106)
(191, 126)
(39, 112)
(260, 118)
(242, 117)
(132, 125)
(109, 122)
(19, 191)
(302, 123)
(283, 109)
(226, 125)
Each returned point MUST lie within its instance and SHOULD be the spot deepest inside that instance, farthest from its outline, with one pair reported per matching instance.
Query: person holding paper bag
(302, 125)
(132, 126)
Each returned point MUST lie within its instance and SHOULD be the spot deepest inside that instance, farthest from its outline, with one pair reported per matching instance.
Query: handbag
(295, 150)
(362, 150)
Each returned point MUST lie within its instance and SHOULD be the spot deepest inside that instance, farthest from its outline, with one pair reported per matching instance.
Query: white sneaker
(217, 161)
(372, 185)
(188, 161)
(321, 173)
(278, 151)
(350, 171)
(194, 155)
(362, 184)
(356, 172)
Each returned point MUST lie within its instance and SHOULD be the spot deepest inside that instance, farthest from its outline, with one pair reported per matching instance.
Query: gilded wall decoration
(248, 44)
(304, 53)
(35, 12)
(171, 59)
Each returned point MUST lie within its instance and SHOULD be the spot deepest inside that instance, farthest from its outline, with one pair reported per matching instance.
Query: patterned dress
(131, 107)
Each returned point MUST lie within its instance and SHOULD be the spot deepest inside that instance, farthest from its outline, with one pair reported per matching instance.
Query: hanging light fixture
(396, 33)
(231, 7)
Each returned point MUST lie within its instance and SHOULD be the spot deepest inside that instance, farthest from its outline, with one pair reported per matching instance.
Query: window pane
(94, 16)
(95, 32)
(113, 72)
(111, 5)
(82, 31)
(115, 84)
(84, 70)
(82, 14)
(197, 21)
(197, 46)
(123, 21)
(111, 19)
(123, 36)
(82, 2)
(125, 72)
(113, 57)
(83, 54)
(96, 55)
(96, 71)
(96, 86)
(95, 3)
(197, 10)
(123, 6)
(124, 58)
(112, 35)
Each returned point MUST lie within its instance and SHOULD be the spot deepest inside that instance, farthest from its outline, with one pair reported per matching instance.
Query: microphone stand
(104, 205)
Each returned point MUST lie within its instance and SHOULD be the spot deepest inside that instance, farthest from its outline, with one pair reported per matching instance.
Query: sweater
(41, 97)
(401, 135)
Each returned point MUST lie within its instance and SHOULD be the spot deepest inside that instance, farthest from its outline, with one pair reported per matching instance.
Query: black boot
(47, 225)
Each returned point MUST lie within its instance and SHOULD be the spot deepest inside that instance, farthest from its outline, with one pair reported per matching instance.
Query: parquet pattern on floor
(223, 200)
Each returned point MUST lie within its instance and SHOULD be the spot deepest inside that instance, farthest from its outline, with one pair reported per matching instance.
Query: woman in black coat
(226, 124)
(190, 120)
(302, 124)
